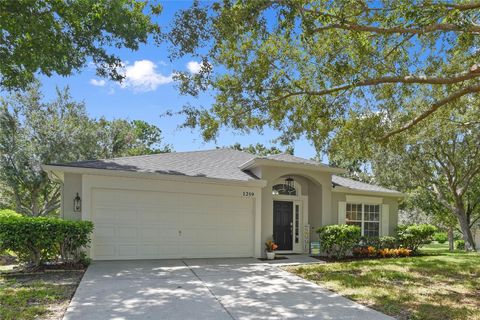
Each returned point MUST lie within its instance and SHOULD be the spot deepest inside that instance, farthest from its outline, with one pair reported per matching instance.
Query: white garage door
(154, 225)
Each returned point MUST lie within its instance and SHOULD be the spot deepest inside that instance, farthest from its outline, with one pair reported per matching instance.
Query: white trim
(368, 192)
(362, 215)
(363, 199)
(342, 210)
(385, 217)
(52, 169)
(255, 162)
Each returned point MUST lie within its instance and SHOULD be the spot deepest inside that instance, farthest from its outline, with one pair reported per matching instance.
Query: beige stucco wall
(71, 185)
(391, 201)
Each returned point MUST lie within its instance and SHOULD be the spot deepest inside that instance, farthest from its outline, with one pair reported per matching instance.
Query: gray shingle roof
(217, 163)
(357, 185)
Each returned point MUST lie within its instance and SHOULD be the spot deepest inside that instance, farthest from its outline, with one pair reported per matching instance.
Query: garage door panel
(126, 234)
(127, 250)
(105, 250)
(104, 234)
(146, 225)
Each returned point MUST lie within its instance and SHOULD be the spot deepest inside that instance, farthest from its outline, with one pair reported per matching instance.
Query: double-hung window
(365, 216)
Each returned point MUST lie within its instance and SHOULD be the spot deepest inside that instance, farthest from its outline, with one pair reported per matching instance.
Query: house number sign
(248, 194)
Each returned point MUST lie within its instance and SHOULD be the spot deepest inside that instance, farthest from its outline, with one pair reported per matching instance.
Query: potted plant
(270, 248)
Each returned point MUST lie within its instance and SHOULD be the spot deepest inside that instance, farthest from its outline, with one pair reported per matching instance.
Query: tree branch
(445, 27)
(434, 107)
(474, 72)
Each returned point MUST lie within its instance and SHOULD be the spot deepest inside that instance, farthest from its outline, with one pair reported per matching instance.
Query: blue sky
(148, 92)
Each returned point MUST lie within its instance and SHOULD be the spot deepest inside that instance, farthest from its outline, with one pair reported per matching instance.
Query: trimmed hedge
(440, 237)
(414, 236)
(39, 240)
(7, 213)
(338, 240)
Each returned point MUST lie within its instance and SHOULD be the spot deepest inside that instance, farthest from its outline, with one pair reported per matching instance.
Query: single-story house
(215, 203)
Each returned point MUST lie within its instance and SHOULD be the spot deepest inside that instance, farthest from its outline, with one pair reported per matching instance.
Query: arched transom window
(283, 189)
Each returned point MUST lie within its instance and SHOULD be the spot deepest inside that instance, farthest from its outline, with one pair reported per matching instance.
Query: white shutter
(384, 220)
(342, 208)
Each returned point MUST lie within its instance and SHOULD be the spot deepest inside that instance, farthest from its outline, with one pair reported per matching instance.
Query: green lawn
(442, 285)
(40, 296)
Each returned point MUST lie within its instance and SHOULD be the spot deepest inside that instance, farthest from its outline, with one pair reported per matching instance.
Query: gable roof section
(287, 160)
(361, 186)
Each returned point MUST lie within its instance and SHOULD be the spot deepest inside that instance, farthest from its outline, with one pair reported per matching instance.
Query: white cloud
(142, 76)
(194, 67)
(97, 83)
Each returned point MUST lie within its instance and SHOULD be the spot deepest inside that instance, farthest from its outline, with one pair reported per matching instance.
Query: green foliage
(379, 242)
(260, 150)
(388, 242)
(38, 240)
(47, 37)
(7, 213)
(414, 236)
(459, 244)
(440, 237)
(325, 70)
(337, 240)
(34, 132)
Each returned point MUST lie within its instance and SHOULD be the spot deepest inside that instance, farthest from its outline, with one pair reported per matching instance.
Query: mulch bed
(351, 258)
(46, 268)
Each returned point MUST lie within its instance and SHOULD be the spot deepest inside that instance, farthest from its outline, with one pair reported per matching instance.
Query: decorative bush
(38, 240)
(364, 252)
(388, 242)
(337, 240)
(414, 236)
(440, 237)
(392, 253)
(6, 213)
(459, 244)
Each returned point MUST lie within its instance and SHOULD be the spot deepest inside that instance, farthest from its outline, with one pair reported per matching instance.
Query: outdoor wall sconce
(290, 183)
(77, 204)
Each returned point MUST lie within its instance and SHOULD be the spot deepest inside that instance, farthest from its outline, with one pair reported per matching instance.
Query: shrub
(364, 252)
(400, 252)
(38, 240)
(414, 236)
(388, 242)
(337, 240)
(440, 237)
(7, 213)
(459, 244)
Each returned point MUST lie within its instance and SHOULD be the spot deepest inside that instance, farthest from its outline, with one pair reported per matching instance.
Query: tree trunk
(450, 238)
(465, 227)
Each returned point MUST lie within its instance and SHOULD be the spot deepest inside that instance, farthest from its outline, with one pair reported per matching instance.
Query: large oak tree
(309, 67)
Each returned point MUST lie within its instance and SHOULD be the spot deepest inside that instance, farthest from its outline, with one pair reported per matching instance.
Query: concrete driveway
(204, 289)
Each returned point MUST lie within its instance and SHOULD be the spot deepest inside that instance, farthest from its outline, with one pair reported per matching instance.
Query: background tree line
(34, 132)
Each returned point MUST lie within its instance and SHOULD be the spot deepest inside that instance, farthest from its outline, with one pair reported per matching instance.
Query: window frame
(363, 212)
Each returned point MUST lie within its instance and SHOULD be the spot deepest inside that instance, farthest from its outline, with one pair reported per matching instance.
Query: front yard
(441, 285)
(37, 296)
